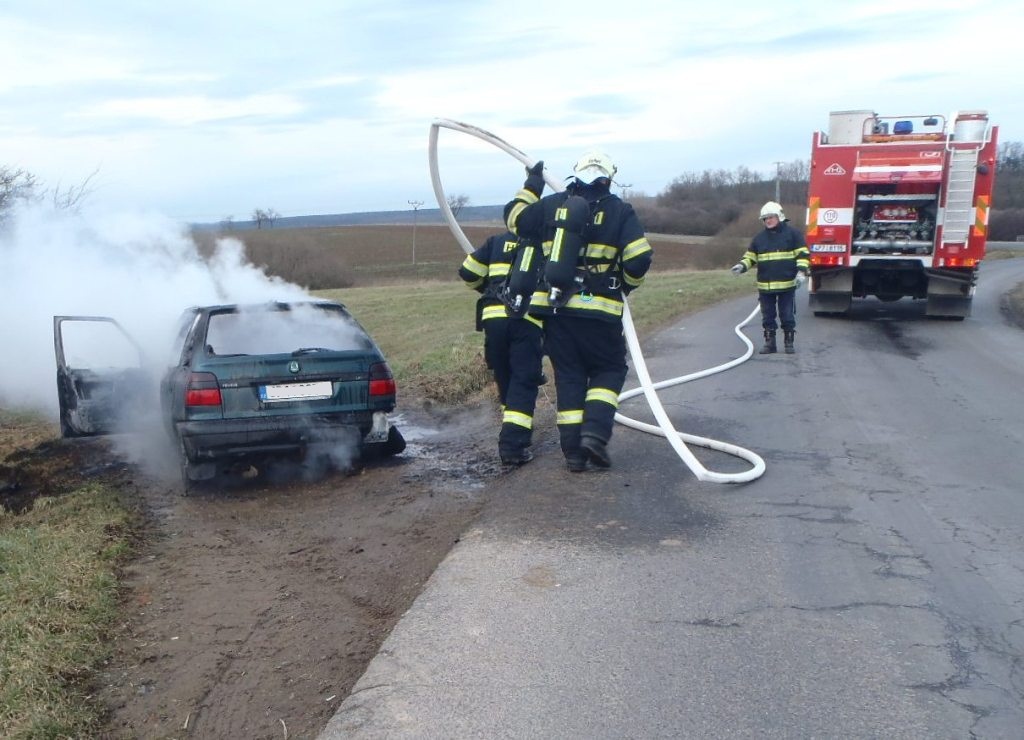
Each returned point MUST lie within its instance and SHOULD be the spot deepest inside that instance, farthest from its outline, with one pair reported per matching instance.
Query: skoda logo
(293, 366)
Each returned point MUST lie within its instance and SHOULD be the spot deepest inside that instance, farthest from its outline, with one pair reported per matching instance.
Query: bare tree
(21, 185)
(71, 197)
(264, 217)
(457, 203)
(227, 223)
(15, 185)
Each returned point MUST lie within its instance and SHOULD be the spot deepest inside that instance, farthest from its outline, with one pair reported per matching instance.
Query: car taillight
(202, 389)
(382, 382)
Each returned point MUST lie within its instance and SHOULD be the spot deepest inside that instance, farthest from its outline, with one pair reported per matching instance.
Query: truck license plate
(297, 391)
(828, 247)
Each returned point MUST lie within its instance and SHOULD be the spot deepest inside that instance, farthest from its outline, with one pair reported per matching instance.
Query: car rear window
(266, 332)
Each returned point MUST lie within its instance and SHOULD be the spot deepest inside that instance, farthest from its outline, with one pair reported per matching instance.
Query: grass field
(354, 256)
(426, 329)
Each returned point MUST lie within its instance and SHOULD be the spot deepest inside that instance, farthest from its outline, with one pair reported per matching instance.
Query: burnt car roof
(266, 306)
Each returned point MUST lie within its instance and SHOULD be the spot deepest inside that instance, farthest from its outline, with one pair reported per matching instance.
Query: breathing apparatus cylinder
(560, 271)
(522, 279)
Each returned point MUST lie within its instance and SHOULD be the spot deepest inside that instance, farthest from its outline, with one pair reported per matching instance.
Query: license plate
(828, 247)
(297, 391)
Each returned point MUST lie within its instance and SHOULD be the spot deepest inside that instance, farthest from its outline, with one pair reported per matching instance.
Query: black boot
(769, 342)
(787, 340)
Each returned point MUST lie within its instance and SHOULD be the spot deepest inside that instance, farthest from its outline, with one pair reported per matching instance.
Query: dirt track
(251, 611)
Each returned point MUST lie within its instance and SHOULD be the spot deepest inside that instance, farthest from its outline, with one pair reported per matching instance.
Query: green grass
(58, 599)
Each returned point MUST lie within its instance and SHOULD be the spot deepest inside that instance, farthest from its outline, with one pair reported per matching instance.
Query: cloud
(188, 111)
(204, 110)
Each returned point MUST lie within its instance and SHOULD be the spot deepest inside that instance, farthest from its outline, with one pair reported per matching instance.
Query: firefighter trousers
(781, 304)
(513, 349)
(588, 357)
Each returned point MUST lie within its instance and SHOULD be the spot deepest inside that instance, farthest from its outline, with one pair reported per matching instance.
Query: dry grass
(323, 258)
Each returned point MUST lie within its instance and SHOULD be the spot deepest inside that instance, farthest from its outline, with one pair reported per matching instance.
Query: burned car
(247, 385)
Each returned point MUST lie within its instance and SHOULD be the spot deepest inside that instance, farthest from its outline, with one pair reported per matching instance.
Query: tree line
(703, 203)
(707, 202)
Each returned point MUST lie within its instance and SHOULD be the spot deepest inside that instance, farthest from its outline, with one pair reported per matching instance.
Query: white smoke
(141, 269)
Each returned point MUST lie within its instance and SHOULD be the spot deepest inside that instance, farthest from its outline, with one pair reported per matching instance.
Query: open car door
(101, 383)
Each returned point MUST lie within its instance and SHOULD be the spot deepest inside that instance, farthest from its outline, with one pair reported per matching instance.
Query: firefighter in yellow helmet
(595, 253)
(782, 260)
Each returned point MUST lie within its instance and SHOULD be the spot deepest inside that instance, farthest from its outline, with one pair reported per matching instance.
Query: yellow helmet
(771, 208)
(592, 166)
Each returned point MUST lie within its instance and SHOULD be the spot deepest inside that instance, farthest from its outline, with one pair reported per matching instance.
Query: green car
(247, 386)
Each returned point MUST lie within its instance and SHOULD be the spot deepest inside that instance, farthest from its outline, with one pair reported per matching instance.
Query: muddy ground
(253, 607)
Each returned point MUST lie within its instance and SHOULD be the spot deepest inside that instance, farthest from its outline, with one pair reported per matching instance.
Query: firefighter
(513, 346)
(782, 260)
(596, 252)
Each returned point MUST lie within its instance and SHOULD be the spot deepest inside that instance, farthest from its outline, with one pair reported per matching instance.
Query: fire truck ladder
(959, 214)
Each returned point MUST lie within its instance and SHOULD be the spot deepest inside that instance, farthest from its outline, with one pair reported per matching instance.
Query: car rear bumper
(218, 439)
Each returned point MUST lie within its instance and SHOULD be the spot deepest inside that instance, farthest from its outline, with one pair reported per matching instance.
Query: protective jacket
(485, 270)
(779, 253)
(613, 252)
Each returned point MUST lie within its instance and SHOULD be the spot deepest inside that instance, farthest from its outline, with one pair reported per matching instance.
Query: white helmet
(771, 208)
(592, 166)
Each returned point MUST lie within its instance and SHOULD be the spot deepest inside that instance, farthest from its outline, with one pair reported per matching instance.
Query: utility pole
(415, 210)
(625, 190)
(778, 177)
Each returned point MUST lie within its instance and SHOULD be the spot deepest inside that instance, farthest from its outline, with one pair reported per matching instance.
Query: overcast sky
(201, 110)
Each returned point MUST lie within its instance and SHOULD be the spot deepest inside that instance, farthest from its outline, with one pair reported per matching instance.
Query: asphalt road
(870, 584)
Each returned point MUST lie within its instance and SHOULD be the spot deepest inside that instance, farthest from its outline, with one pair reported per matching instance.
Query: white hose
(665, 428)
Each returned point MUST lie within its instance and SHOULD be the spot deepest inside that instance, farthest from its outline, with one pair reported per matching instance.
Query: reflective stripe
(605, 395)
(495, 311)
(590, 304)
(518, 418)
(475, 266)
(601, 251)
(523, 199)
(812, 216)
(777, 285)
(770, 256)
(574, 416)
(636, 248)
(981, 215)
(499, 311)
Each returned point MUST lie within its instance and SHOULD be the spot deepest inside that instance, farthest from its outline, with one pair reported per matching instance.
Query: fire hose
(678, 440)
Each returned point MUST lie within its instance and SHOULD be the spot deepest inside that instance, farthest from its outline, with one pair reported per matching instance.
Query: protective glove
(535, 178)
(738, 269)
(801, 278)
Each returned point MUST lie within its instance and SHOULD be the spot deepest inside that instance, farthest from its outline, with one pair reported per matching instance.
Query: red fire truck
(898, 207)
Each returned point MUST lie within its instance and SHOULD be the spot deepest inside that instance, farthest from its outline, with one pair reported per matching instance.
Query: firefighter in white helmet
(782, 260)
(595, 253)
